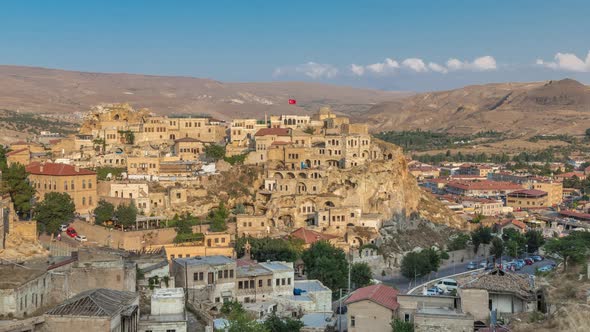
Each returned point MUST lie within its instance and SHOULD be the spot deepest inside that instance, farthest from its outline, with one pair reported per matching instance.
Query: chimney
(41, 168)
(77, 168)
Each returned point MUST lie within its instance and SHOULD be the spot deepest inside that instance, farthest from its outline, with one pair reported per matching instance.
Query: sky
(412, 45)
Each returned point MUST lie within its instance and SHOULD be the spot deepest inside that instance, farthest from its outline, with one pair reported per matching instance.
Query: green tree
(398, 325)
(238, 319)
(326, 263)
(534, 240)
(588, 133)
(458, 242)
(15, 183)
(3, 152)
(573, 248)
(416, 265)
(360, 275)
(218, 217)
(126, 214)
(54, 210)
(309, 130)
(214, 152)
(271, 249)
(104, 211)
(497, 248)
(277, 324)
(482, 235)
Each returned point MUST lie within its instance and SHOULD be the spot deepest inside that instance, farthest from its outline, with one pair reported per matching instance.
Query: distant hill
(529, 108)
(41, 90)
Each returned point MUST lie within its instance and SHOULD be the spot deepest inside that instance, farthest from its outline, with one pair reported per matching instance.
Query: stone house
(372, 308)
(167, 312)
(214, 274)
(506, 292)
(188, 148)
(96, 310)
(527, 199)
(77, 182)
(252, 225)
(434, 313)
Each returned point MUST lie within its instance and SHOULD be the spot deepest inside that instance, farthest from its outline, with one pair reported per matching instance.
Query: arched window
(72, 186)
(89, 184)
(65, 185)
(83, 184)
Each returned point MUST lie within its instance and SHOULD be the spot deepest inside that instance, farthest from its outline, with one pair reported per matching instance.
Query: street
(404, 284)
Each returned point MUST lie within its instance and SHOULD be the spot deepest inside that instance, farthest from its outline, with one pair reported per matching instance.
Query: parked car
(537, 258)
(545, 268)
(434, 291)
(521, 262)
(447, 285)
(471, 266)
(529, 261)
(81, 238)
(63, 227)
(483, 265)
(489, 266)
(71, 232)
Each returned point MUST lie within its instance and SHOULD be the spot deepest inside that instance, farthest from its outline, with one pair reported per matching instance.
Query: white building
(167, 312)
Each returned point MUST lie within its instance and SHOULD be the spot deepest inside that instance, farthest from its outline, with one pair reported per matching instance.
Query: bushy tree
(497, 248)
(458, 242)
(360, 275)
(398, 325)
(238, 319)
(273, 249)
(278, 324)
(573, 248)
(54, 210)
(15, 183)
(218, 217)
(534, 240)
(104, 211)
(214, 152)
(326, 263)
(482, 235)
(126, 214)
(419, 264)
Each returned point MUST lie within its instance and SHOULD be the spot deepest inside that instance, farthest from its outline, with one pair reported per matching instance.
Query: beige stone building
(372, 308)
(77, 182)
(527, 199)
(188, 148)
(554, 191)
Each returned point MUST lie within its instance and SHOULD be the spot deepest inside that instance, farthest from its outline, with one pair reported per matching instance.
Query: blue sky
(396, 45)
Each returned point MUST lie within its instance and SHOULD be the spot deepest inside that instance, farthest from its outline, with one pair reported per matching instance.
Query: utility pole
(339, 312)
(349, 268)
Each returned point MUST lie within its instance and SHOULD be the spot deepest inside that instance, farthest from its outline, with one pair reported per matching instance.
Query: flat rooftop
(277, 266)
(204, 260)
(310, 285)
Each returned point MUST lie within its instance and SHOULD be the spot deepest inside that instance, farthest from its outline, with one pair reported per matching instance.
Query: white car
(447, 285)
(81, 238)
(63, 227)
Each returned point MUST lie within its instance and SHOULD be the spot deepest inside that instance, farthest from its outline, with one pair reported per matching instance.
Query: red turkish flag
(292, 101)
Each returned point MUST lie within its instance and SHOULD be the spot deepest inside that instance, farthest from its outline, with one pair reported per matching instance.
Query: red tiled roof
(16, 151)
(57, 169)
(574, 214)
(529, 192)
(273, 131)
(482, 185)
(280, 143)
(310, 236)
(380, 294)
(514, 222)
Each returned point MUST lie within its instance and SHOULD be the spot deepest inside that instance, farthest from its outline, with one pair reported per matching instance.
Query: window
(288, 281)
(83, 184)
(72, 185)
(246, 285)
(240, 285)
(171, 256)
(179, 255)
(252, 284)
(65, 185)
(219, 274)
(201, 276)
(283, 281)
(406, 317)
(195, 276)
(225, 273)
(269, 282)
(222, 240)
(352, 321)
(172, 330)
(83, 200)
(89, 184)
(259, 283)
(231, 273)
(278, 282)
(216, 300)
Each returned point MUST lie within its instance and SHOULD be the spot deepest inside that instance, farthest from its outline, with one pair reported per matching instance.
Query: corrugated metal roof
(95, 302)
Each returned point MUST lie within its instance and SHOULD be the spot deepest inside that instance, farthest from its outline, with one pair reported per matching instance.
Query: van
(447, 285)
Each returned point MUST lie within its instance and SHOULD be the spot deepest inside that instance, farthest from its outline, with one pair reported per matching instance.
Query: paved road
(404, 284)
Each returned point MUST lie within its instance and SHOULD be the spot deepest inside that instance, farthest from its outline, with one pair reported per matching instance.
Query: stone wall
(131, 240)
(442, 323)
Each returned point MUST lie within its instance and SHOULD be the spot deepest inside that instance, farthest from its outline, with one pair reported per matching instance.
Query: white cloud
(310, 69)
(415, 64)
(357, 70)
(418, 65)
(479, 64)
(567, 62)
(388, 65)
(435, 67)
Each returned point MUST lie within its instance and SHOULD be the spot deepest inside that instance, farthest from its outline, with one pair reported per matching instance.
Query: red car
(71, 232)
(529, 261)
